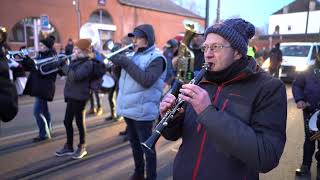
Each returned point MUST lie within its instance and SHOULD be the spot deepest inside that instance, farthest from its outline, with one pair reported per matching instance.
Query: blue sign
(44, 22)
(102, 2)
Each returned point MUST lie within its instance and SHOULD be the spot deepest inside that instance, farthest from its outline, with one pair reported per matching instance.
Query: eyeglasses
(213, 47)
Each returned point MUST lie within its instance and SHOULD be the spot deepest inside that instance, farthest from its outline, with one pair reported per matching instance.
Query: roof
(162, 6)
(298, 6)
(300, 43)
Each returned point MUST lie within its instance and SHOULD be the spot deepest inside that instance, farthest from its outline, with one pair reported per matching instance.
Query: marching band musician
(76, 94)
(195, 46)
(140, 89)
(115, 74)
(234, 122)
(42, 87)
(8, 93)
(305, 90)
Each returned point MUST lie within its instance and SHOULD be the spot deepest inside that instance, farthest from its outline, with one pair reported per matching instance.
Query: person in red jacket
(233, 125)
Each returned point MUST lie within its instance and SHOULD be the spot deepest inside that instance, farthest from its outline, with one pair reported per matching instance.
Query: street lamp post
(207, 14)
(77, 6)
(218, 11)
(307, 21)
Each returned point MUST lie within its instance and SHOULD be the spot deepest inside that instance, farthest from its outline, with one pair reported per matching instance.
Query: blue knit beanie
(236, 31)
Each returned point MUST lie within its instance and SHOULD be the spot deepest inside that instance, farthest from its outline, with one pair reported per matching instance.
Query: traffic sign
(44, 22)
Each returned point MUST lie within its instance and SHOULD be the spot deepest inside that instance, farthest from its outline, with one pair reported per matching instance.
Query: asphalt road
(109, 157)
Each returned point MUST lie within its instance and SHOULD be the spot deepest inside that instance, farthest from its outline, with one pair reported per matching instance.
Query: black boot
(123, 133)
(303, 170)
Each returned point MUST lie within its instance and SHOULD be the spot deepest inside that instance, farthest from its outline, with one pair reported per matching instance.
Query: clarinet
(152, 140)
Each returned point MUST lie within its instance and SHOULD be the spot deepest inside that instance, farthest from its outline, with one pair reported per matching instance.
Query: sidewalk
(60, 82)
(24, 121)
(109, 157)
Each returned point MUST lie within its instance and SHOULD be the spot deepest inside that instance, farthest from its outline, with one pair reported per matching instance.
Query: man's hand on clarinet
(196, 96)
(167, 102)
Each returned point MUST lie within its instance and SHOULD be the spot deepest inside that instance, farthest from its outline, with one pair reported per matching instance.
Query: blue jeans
(42, 115)
(138, 132)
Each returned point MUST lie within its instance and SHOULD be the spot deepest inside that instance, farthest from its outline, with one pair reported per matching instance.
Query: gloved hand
(317, 73)
(61, 63)
(120, 60)
(12, 64)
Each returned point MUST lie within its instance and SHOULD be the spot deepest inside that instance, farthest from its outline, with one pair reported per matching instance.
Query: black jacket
(8, 94)
(38, 85)
(240, 135)
(79, 73)
(306, 87)
(198, 59)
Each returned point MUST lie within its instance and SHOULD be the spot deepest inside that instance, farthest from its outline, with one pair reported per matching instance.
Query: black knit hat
(172, 43)
(236, 31)
(49, 41)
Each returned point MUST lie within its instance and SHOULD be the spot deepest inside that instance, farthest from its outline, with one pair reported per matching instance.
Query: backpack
(98, 70)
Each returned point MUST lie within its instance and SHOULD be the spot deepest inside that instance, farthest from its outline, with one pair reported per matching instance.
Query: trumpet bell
(193, 26)
(18, 55)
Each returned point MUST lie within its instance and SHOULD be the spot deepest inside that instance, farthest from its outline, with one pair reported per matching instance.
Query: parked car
(296, 57)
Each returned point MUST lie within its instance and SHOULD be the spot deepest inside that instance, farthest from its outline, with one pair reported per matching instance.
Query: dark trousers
(113, 92)
(274, 71)
(138, 132)
(75, 109)
(96, 94)
(308, 146)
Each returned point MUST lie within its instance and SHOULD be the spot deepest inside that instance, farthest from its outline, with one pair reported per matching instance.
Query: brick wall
(62, 15)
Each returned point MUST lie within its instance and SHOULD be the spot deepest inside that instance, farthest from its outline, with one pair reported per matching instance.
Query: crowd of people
(223, 122)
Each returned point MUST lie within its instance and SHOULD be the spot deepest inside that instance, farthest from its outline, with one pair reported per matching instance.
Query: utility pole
(77, 6)
(306, 33)
(207, 14)
(218, 11)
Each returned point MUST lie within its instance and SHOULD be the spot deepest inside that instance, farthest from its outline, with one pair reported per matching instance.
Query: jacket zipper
(215, 101)
(195, 170)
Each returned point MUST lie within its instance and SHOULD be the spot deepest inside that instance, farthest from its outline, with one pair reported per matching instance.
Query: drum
(313, 122)
(107, 83)
(313, 127)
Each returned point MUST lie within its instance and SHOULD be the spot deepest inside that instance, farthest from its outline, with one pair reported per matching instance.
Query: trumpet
(108, 56)
(50, 65)
(23, 52)
(152, 140)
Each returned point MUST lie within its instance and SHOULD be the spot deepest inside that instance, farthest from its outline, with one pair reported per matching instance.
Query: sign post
(35, 35)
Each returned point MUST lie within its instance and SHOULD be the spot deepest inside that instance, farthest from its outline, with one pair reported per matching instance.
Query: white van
(296, 57)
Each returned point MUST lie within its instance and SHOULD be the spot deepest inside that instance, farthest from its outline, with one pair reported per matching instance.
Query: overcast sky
(254, 11)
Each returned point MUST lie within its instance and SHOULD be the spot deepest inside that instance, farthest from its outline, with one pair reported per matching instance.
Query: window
(22, 32)
(295, 50)
(105, 37)
(100, 16)
(314, 53)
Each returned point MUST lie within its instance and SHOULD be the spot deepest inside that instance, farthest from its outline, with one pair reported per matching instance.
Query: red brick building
(116, 17)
